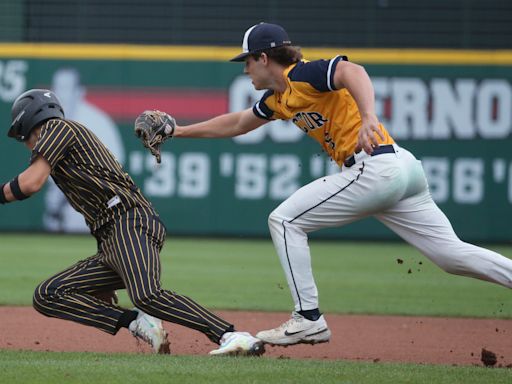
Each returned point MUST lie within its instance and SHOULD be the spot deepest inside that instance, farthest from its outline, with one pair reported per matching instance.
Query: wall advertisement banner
(456, 118)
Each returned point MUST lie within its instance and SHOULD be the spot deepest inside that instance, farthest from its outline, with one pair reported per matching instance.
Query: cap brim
(240, 57)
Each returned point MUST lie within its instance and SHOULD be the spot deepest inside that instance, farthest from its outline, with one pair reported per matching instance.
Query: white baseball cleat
(239, 344)
(150, 329)
(297, 330)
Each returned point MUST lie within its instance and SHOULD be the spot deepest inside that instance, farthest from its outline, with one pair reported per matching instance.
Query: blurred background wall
(349, 23)
(442, 72)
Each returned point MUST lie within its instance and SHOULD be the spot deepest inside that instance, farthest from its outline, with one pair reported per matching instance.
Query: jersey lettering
(308, 121)
(329, 141)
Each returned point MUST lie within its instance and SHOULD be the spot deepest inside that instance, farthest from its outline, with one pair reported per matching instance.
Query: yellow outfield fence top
(213, 53)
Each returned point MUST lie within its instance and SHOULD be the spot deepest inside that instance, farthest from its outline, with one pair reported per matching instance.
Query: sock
(311, 314)
(126, 318)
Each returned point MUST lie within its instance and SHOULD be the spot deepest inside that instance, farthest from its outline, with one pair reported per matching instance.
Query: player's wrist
(367, 114)
(16, 189)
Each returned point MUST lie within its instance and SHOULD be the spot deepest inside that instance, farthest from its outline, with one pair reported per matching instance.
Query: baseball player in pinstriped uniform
(332, 101)
(129, 233)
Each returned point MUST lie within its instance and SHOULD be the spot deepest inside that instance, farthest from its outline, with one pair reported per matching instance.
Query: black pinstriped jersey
(87, 173)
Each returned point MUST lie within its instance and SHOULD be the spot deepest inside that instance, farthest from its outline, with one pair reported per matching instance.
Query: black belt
(351, 160)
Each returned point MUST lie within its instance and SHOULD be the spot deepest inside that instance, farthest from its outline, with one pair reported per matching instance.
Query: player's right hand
(367, 137)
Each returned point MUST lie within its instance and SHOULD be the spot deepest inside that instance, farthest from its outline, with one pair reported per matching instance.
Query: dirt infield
(365, 338)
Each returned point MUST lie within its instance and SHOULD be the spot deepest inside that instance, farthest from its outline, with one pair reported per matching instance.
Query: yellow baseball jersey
(328, 115)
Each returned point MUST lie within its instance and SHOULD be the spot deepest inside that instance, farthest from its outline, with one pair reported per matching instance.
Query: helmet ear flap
(31, 109)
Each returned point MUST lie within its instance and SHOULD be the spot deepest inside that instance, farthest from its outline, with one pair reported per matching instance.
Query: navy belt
(351, 160)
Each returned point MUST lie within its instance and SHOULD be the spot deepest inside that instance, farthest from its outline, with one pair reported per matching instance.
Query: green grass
(352, 277)
(242, 274)
(77, 368)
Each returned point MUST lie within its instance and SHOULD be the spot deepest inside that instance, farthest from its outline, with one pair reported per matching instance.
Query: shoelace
(295, 317)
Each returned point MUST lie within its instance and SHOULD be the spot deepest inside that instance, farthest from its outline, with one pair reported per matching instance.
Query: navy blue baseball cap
(262, 36)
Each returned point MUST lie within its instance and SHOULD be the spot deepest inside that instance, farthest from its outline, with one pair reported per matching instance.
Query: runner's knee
(44, 293)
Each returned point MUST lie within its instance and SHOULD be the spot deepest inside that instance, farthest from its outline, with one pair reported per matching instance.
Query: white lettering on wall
(450, 108)
(493, 109)
(410, 108)
(13, 79)
(444, 109)
(409, 112)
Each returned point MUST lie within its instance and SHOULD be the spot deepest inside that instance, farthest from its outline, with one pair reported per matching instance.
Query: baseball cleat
(239, 344)
(150, 329)
(297, 330)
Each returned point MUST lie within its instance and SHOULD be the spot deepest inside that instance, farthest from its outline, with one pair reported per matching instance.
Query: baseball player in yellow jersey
(333, 102)
(128, 231)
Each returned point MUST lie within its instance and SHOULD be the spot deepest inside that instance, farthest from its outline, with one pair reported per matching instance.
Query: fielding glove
(153, 128)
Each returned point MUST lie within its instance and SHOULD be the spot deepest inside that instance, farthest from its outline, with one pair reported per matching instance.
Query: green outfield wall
(453, 109)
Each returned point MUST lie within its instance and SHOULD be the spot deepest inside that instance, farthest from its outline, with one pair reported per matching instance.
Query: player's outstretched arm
(26, 183)
(227, 125)
(154, 127)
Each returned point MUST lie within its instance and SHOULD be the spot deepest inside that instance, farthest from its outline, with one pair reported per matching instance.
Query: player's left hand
(153, 128)
(109, 297)
(367, 139)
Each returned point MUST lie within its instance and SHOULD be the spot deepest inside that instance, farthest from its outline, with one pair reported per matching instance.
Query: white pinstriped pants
(391, 187)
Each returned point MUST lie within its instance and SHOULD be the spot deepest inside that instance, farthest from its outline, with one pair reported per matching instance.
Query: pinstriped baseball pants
(128, 257)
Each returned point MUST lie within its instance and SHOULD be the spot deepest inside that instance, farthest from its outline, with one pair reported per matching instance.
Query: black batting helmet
(31, 109)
